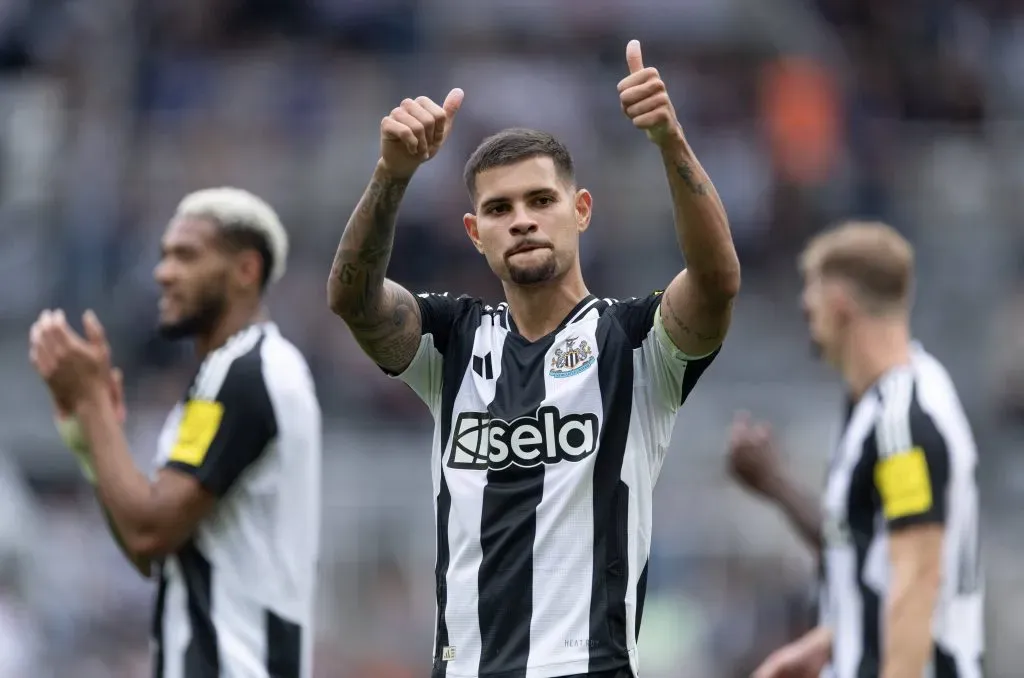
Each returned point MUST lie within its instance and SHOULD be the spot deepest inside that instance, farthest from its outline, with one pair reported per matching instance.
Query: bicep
(913, 468)
(423, 371)
(219, 438)
(390, 333)
(696, 322)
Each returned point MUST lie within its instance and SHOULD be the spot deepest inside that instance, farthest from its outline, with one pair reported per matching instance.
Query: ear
(842, 299)
(248, 268)
(584, 209)
(470, 222)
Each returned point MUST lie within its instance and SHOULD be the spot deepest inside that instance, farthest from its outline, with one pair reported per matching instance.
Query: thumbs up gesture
(414, 132)
(644, 99)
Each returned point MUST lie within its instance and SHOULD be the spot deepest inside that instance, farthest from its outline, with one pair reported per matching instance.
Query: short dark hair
(238, 238)
(510, 146)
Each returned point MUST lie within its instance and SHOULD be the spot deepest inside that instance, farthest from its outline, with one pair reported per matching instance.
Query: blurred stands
(803, 111)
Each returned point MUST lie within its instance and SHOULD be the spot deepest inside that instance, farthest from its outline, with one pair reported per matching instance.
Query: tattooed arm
(383, 315)
(697, 305)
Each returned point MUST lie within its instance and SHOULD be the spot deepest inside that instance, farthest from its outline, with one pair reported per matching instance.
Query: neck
(873, 347)
(539, 309)
(234, 320)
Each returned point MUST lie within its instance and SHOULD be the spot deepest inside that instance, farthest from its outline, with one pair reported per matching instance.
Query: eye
(497, 209)
(544, 200)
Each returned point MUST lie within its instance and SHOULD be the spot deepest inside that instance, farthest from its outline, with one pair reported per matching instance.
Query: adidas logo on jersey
(481, 442)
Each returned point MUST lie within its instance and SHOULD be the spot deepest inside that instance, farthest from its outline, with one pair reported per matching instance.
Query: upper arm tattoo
(687, 328)
(391, 333)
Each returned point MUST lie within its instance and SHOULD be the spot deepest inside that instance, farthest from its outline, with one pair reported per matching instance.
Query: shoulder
(236, 365)
(284, 370)
(452, 303)
(634, 315)
(441, 312)
(902, 422)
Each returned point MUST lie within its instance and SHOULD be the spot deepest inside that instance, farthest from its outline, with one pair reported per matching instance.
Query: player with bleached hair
(230, 516)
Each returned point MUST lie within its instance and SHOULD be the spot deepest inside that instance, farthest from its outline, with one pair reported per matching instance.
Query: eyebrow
(533, 193)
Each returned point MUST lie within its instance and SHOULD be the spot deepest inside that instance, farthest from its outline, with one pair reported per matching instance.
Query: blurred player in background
(897, 530)
(232, 514)
(554, 410)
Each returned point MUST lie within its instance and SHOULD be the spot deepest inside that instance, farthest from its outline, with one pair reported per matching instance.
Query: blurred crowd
(802, 111)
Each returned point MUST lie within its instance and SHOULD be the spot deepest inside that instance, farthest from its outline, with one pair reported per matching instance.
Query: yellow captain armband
(71, 434)
(904, 484)
(200, 422)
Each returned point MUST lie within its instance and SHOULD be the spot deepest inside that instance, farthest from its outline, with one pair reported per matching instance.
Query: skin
(526, 223)
(208, 294)
(862, 343)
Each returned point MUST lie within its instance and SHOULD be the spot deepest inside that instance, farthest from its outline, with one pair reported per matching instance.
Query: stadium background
(802, 111)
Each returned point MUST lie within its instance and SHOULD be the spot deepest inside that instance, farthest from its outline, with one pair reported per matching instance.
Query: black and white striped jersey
(905, 457)
(545, 455)
(237, 600)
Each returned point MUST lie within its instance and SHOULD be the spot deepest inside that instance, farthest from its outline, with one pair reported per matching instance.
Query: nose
(522, 222)
(163, 273)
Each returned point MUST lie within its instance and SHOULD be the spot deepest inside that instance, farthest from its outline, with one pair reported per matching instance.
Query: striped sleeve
(671, 373)
(224, 429)
(913, 467)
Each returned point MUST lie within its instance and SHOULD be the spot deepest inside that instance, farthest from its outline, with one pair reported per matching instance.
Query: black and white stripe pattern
(237, 599)
(912, 410)
(543, 469)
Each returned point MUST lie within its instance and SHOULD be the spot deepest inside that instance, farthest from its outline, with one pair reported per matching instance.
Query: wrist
(774, 486)
(91, 400)
(673, 143)
(385, 172)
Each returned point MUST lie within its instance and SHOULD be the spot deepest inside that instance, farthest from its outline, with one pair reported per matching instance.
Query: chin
(536, 273)
(180, 328)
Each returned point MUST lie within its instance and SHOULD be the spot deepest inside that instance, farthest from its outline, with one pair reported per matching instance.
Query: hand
(645, 101)
(74, 368)
(796, 660)
(753, 460)
(414, 132)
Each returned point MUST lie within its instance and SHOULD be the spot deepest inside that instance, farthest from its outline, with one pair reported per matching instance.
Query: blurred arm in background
(150, 519)
(754, 462)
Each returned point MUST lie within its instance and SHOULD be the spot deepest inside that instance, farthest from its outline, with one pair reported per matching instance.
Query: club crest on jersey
(571, 358)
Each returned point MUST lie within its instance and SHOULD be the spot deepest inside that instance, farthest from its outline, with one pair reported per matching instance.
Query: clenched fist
(414, 132)
(753, 460)
(645, 100)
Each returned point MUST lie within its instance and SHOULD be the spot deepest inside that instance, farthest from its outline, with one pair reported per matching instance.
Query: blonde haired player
(230, 518)
(897, 529)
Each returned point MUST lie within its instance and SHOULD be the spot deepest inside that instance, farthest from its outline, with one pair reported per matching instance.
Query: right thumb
(453, 102)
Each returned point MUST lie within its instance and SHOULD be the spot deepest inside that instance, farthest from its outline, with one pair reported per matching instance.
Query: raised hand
(644, 98)
(753, 460)
(415, 131)
(72, 366)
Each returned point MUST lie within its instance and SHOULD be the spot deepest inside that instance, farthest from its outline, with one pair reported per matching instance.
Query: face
(528, 221)
(193, 275)
(825, 304)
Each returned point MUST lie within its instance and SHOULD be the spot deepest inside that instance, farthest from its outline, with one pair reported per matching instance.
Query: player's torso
(856, 558)
(532, 462)
(855, 551)
(248, 529)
